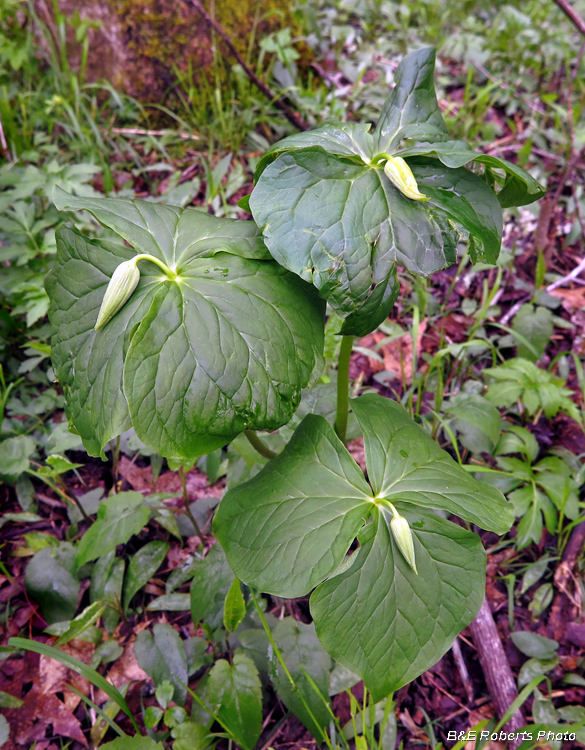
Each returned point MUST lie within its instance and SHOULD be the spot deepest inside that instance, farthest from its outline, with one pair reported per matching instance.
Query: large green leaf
(162, 656)
(385, 623)
(142, 566)
(119, 517)
(411, 110)
(190, 363)
(350, 139)
(292, 524)
(234, 693)
(15, 457)
(51, 579)
(468, 202)
(212, 579)
(405, 463)
(106, 585)
(330, 214)
(290, 527)
(303, 655)
(518, 187)
(343, 226)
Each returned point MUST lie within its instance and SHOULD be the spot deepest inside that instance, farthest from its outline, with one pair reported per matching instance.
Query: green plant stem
(74, 501)
(280, 658)
(259, 445)
(115, 461)
(186, 504)
(163, 266)
(343, 387)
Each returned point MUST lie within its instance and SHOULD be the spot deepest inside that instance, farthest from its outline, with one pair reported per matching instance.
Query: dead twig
(290, 114)
(3, 144)
(496, 670)
(141, 131)
(572, 14)
(462, 669)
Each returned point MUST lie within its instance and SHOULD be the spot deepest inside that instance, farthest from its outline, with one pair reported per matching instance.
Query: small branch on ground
(572, 14)
(496, 670)
(462, 669)
(290, 114)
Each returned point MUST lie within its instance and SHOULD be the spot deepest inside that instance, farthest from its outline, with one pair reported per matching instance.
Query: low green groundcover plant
(197, 329)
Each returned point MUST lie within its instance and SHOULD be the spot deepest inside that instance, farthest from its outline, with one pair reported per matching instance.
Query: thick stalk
(188, 512)
(343, 387)
(259, 445)
(163, 266)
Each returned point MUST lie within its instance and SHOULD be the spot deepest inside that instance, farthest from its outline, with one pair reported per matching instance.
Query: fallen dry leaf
(42, 714)
(54, 676)
(125, 669)
(572, 299)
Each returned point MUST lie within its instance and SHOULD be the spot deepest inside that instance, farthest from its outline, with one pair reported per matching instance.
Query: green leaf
(343, 226)
(536, 325)
(15, 455)
(411, 110)
(9, 701)
(36, 540)
(170, 603)
(82, 622)
(349, 139)
(476, 420)
(468, 202)
(234, 693)
(234, 609)
(534, 668)
(51, 579)
(518, 187)
(292, 524)
(174, 716)
(188, 363)
(119, 518)
(162, 656)
(164, 693)
(152, 716)
(195, 650)
(191, 736)
(411, 620)
(142, 566)
(302, 652)
(534, 645)
(406, 464)
(106, 584)
(212, 579)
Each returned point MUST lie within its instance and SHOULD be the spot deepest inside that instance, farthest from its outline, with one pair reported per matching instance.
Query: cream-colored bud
(403, 537)
(123, 282)
(400, 175)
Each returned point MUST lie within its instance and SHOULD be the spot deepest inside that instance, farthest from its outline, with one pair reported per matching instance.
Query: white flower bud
(403, 537)
(123, 282)
(400, 175)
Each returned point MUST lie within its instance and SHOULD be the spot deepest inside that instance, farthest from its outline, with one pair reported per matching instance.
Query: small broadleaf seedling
(221, 327)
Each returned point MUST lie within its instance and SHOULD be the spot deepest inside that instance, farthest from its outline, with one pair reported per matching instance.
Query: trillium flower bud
(400, 175)
(123, 282)
(403, 538)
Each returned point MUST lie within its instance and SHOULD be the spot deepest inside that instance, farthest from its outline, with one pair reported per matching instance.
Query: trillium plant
(197, 329)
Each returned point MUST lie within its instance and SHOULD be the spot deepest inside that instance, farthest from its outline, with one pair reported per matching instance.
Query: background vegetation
(113, 562)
